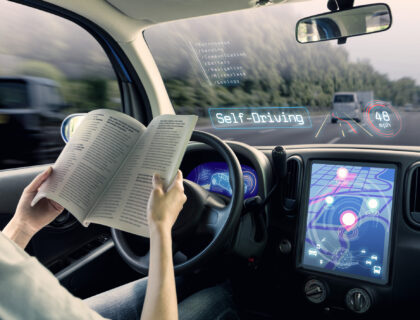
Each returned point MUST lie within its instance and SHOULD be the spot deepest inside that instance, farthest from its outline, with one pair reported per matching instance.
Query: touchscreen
(348, 220)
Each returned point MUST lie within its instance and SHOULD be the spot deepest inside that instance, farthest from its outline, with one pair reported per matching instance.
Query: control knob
(315, 291)
(358, 300)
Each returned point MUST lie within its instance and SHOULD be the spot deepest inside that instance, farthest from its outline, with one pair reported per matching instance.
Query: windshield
(13, 94)
(344, 98)
(248, 79)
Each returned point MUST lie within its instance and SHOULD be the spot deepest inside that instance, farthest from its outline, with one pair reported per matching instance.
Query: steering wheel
(204, 214)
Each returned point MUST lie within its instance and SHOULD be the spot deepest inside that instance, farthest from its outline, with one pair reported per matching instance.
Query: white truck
(350, 105)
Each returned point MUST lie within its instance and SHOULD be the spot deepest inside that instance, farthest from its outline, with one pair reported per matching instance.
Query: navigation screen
(348, 220)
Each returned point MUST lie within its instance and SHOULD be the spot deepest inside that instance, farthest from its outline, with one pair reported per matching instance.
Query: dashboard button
(285, 246)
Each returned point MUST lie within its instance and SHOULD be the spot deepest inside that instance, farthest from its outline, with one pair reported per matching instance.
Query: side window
(49, 68)
(13, 94)
(53, 98)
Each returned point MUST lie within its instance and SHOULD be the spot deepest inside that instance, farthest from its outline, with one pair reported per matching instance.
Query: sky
(395, 52)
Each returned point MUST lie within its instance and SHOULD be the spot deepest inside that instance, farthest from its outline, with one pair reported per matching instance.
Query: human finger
(39, 180)
(57, 206)
(178, 182)
(157, 182)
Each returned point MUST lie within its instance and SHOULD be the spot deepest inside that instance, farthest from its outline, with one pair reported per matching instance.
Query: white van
(346, 105)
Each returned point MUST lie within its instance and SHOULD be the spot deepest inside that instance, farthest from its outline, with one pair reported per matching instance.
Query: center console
(346, 227)
(348, 217)
(346, 231)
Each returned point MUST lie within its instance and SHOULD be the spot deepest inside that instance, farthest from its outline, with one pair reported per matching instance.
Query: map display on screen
(348, 220)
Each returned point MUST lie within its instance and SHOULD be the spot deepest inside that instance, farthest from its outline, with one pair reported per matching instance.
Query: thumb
(157, 182)
(56, 205)
(177, 180)
(39, 180)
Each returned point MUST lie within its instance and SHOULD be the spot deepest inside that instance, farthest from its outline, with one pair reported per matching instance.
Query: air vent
(291, 187)
(414, 194)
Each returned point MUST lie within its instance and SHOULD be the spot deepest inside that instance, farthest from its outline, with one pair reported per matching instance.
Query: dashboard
(351, 235)
(214, 177)
(343, 234)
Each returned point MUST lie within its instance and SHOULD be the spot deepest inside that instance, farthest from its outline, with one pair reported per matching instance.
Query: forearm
(161, 301)
(18, 233)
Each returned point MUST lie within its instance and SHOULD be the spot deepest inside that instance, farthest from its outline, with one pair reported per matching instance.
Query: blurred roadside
(49, 68)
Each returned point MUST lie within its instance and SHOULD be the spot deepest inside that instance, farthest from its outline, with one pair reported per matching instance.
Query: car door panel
(81, 257)
(12, 183)
(59, 241)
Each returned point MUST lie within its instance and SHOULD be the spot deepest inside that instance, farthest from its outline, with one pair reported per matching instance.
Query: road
(342, 132)
(322, 131)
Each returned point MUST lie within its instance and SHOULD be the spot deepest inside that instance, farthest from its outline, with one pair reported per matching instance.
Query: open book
(104, 174)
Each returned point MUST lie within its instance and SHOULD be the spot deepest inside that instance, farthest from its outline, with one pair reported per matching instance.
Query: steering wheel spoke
(212, 221)
(144, 260)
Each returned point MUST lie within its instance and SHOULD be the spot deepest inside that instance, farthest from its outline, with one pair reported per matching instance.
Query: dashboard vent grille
(415, 192)
(291, 187)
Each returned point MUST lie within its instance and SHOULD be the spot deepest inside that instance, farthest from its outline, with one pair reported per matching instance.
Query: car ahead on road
(346, 105)
(30, 118)
(329, 197)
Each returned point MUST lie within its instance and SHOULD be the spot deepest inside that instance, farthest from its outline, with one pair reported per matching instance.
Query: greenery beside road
(81, 94)
(279, 71)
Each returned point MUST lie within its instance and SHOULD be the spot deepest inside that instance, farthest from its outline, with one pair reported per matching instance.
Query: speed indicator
(383, 119)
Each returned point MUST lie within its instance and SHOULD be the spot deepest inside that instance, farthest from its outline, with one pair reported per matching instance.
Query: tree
(40, 69)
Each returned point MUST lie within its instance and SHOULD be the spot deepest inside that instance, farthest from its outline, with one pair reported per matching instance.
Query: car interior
(307, 205)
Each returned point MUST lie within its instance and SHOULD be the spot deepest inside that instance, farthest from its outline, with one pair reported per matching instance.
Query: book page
(90, 159)
(159, 150)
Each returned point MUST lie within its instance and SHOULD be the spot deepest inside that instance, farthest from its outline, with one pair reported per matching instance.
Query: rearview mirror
(70, 124)
(344, 23)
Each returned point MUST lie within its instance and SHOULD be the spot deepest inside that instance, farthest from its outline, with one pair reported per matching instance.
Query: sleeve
(29, 291)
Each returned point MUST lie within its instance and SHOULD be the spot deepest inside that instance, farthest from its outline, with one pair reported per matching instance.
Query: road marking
(361, 127)
(334, 140)
(342, 131)
(267, 130)
(351, 127)
(322, 125)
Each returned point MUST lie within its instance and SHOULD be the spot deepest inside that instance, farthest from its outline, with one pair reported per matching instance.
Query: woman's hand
(28, 220)
(164, 207)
